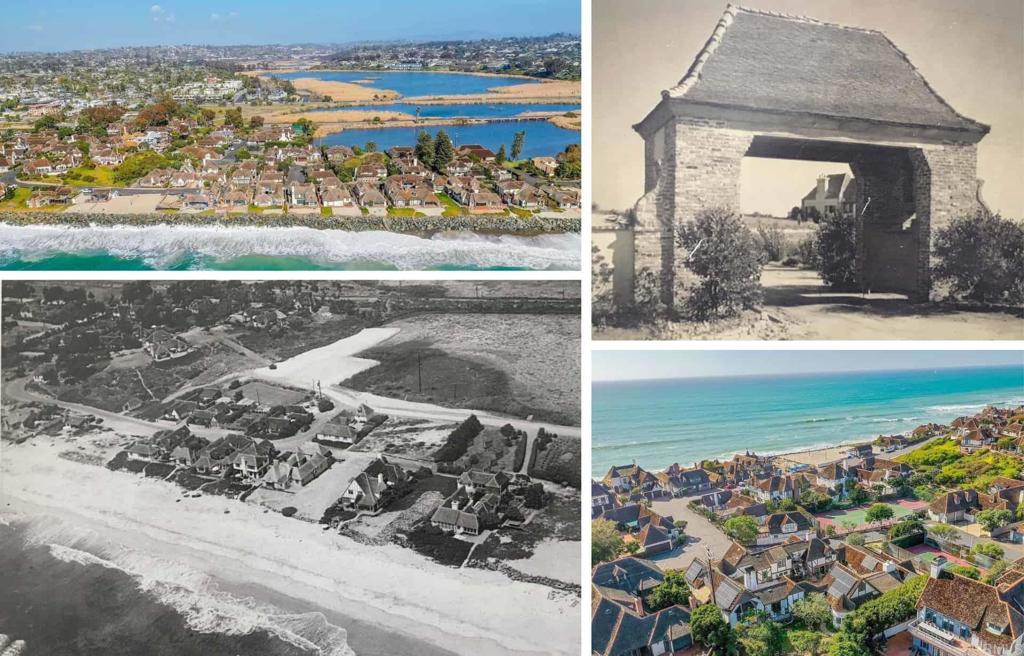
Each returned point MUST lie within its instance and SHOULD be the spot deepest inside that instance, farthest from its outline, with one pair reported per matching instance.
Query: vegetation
(963, 570)
(710, 629)
(670, 592)
(458, 440)
(989, 549)
(944, 465)
(757, 635)
(857, 635)
(905, 527)
(993, 518)
(727, 258)
(741, 528)
(814, 612)
(605, 543)
(981, 258)
(878, 513)
(836, 251)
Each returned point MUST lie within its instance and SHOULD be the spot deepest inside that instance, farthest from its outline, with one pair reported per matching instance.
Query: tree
(710, 629)
(233, 118)
(534, 497)
(517, 144)
(992, 518)
(741, 528)
(944, 533)
(605, 541)
(981, 258)
(856, 539)
(242, 154)
(837, 250)
(814, 611)
(444, 151)
(370, 147)
(255, 122)
(425, 149)
(632, 547)
(808, 643)
(672, 591)
(878, 513)
(501, 156)
(989, 549)
(908, 526)
(727, 258)
(969, 572)
(759, 636)
(845, 644)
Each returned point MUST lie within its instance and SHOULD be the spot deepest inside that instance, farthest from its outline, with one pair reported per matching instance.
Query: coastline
(417, 226)
(388, 587)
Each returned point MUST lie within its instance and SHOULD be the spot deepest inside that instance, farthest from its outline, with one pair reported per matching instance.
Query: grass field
(451, 208)
(17, 201)
(82, 176)
(270, 394)
(858, 515)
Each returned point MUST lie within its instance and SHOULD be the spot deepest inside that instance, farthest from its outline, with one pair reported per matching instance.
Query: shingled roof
(766, 61)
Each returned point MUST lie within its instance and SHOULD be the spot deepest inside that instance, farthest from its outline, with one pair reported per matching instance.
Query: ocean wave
(165, 246)
(967, 407)
(195, 597)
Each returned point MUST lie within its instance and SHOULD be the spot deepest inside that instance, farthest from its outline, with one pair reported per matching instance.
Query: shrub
(969, 572)
(458, 440)
(727, 258)
(288, 511)
(836, 251)
(773, 242)
(807, 252)
(989, 549)
(981, 258)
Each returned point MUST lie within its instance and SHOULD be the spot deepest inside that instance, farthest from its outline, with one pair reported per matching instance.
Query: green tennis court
(858, 515)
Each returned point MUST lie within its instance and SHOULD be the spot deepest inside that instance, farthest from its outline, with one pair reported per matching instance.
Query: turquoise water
(475, 110)
(193, 248)
(416, 83)
(542, 138)
(660, 422)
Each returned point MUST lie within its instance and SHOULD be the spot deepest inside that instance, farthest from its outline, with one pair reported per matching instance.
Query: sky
(970, 52)
(57, 25)
(650, 365)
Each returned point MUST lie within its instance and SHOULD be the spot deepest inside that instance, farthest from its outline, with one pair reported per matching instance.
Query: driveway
(700, 535)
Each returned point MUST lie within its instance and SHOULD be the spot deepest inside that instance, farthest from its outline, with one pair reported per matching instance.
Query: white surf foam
(193, 594)
(163, 245)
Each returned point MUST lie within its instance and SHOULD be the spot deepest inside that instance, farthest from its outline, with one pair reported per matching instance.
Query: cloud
(35, 28)
(160, 15)
(215, 17)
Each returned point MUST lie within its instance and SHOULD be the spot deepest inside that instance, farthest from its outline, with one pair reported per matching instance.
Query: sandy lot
(343, 91)
(540, 354)
(552, 559)
(146, 527)
(328, 364)
(139, 204)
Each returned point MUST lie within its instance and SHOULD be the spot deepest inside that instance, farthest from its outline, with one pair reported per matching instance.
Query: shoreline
(241, 544)
(415, 226)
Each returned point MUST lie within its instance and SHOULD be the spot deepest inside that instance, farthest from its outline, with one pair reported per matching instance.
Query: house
(485, 201)
(480, 481)
(163, 346)
(370, 172)
(958, 615)
(775, 488)
(833, 194)
(621, 623)
(337, 197)
(373, 488)
(602, 499)
(625, 478)
(955, 506)
(684, 482)
(303, 195)
(476, 151)
(546, 165)
(780, 527)
(338, 429)
(251, 457)
(859, 575)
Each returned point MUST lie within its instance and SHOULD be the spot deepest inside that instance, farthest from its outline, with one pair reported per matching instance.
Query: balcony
(947, 643)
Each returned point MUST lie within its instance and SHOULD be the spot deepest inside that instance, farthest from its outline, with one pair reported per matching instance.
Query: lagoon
(460, 110)
(542, 137)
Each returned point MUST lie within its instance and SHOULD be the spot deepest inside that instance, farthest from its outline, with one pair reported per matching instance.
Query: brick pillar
(887, 253)
(945, 187)
(698, 168)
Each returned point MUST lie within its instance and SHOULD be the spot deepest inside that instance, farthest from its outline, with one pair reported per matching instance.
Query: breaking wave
(194, 595)
(167, 247)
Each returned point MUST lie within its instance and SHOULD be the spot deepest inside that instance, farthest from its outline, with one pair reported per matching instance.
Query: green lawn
(326, 211)
(99, 176)
(18, 199)
(407, 212)
(520, 212)
(857, 515)
(451, 208)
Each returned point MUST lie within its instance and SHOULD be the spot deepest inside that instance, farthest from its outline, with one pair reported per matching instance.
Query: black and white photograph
(808, 170)
(290, 467)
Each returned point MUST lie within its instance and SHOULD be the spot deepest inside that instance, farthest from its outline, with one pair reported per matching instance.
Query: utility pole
(419, 370)
(711, 576)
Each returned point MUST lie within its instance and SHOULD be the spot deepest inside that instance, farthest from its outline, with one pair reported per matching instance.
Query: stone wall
(498, 224)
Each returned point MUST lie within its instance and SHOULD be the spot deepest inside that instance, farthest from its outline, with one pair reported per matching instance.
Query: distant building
(832, 194)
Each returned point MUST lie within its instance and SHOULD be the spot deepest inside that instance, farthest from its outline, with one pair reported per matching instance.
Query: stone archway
(749, 94)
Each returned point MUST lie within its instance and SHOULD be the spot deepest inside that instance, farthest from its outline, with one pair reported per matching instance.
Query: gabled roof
(773, 62)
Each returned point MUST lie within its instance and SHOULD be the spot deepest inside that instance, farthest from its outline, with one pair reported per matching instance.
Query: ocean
(193, 248)
(63, 599)
(657, 423)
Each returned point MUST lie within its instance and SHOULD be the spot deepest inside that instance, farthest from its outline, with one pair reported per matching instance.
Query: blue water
(462, 110)
(660, 422)
(542, 138)
(416, 83)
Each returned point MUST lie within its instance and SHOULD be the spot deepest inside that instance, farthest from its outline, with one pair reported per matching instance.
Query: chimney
(936, 567)
(822, 184)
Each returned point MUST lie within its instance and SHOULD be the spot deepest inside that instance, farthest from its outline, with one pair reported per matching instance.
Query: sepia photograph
(808, 170)
(863, 503)
(290, 468)
(266, 136)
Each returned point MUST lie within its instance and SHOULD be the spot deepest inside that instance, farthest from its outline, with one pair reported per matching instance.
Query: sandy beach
(328, 364)
(343, 91)
(147, 527)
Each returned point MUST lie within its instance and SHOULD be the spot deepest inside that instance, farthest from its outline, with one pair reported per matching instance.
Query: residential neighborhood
(911, 543)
